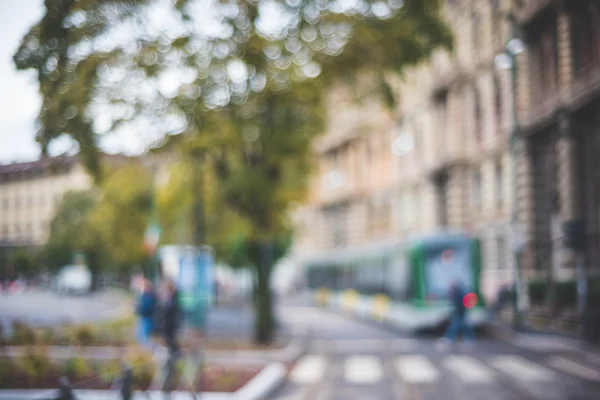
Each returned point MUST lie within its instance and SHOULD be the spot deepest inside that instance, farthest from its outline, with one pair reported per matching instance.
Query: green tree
(24, 262)
(122, 214)
(72, 231)
(250, 96)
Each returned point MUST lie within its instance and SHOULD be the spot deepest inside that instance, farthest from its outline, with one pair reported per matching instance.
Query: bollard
(65, 392)
(126, 383)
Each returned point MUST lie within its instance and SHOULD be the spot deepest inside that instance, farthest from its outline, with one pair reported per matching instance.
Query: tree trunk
(264, 324)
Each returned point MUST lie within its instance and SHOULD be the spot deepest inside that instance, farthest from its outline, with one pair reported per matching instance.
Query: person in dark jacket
(458, 321)
(171, 317)
(145, 310)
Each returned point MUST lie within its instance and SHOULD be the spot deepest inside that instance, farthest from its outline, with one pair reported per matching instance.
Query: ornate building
(456, 110)
(560, 121)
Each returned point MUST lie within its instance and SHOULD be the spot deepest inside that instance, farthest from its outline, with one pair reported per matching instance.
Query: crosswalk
(418, 369)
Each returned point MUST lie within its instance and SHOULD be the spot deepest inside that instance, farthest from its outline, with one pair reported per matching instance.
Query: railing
(586, 80)
(544, 105)
(532, 9)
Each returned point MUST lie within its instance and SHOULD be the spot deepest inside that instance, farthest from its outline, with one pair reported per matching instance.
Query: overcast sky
(19, 99)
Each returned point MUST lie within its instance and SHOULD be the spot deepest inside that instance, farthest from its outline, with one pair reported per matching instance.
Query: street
(355, 360)
(48, 308)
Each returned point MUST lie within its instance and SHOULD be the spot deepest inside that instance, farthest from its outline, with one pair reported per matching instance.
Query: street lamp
(508, 61)
(403, 143)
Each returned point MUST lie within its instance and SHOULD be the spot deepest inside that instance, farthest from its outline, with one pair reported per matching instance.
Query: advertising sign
(192, 270)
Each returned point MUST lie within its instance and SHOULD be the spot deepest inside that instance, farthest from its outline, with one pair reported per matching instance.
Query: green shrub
(35, 363)
(77, 368)
(82, 335)
(537, 289)
(566, 294)
(6, 365)
(23, 334)
(47, 336)
(144, 368)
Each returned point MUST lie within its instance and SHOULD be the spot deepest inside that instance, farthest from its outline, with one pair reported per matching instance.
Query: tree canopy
(241, 82)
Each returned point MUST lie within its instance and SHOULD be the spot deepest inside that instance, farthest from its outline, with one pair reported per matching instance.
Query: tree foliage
(72, 231)
(122, 214)
(242, 81)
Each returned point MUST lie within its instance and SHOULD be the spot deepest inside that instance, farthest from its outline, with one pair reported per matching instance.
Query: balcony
(541, 110)
(585, 86)
(532, 9)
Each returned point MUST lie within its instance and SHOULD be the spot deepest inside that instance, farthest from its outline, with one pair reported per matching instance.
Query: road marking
(522, 369)
(363, 370)
(573, 368)
(416, 369)
(309, 370)
(468, 369)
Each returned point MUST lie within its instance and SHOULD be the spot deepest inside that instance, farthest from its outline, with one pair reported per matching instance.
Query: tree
(122, 213)
(72, 231)
(249, 96)
(24, 263)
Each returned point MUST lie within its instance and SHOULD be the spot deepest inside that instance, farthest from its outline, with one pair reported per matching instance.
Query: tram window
(444, 266)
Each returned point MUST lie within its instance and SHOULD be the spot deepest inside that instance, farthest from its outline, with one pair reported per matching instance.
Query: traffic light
(574, 232)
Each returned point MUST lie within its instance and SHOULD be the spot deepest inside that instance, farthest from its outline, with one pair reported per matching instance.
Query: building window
(478, 117)
(499, 180)
(498, 108)
(5, 203)
(476, 33)
(477, 190)
(501, 252)
(585, 37)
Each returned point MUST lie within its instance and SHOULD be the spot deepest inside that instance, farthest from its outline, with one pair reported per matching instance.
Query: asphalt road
(353, 360)
(47, 308)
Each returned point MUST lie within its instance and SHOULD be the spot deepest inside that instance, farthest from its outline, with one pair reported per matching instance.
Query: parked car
(73, 279)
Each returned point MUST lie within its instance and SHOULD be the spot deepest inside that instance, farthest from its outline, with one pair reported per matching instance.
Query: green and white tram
(415, 275)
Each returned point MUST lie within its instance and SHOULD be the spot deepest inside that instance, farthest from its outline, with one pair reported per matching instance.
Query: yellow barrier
(349, 300)
(381, 306)
(322, 296)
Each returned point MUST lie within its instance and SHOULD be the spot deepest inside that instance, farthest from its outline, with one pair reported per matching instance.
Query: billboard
(191, 268)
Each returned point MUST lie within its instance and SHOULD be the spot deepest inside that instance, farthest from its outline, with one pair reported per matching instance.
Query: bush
(537, 289)
(566, 294)
(35, 363)
(143, 366)
(77, 369)
(23, 334)
(82, 335)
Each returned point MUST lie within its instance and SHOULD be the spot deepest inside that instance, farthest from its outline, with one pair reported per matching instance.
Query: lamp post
(508, 61)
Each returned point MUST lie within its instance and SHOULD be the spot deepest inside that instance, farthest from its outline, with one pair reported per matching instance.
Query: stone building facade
(29, 194)
(560, 118)
(457, 108)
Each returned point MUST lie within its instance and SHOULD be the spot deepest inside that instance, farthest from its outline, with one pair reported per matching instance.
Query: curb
(261, 386)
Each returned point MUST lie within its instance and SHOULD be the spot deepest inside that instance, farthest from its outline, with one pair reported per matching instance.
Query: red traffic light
(470, 300)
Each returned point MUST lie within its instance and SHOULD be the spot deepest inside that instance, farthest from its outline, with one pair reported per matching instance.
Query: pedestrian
(146, 308)
(171, 317)
(458, 321)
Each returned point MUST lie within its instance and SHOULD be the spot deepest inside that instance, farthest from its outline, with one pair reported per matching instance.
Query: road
(353, 360)
(47, 308)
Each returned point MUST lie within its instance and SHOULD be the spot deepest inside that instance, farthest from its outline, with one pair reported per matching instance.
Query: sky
(19, 99)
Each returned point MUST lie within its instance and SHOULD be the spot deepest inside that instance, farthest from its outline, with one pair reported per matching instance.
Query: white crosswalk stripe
(468, 369)
(309, 370)
(572, 368)
(522, 369)
(363, 370)
(416, 369)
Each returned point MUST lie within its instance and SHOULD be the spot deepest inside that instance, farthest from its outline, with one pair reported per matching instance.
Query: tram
(416, 273)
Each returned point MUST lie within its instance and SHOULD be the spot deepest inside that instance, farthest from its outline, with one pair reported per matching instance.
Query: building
(456, 108)
(561, 124)
(29, 194)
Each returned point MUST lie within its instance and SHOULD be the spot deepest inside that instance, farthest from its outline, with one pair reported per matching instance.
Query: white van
(74, 279)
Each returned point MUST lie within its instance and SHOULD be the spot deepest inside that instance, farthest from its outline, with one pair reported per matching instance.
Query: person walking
(146, 308)
(458, 322)
(171, 317)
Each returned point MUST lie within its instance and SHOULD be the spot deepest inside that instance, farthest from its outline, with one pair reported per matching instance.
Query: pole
(514, 137)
